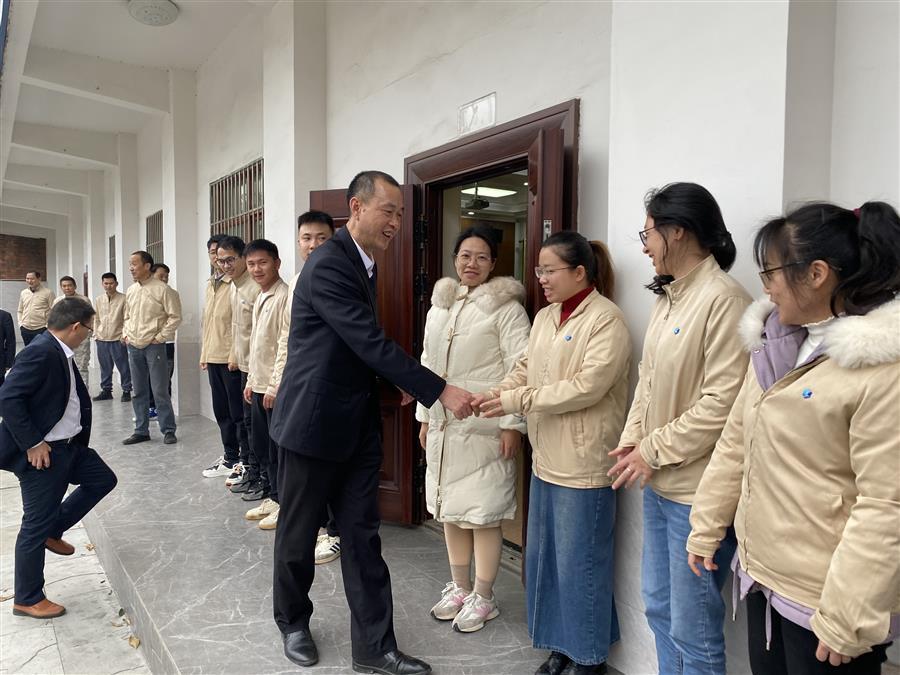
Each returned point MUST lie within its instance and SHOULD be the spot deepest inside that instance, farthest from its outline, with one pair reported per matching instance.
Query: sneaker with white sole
(217, 469)
(266, 507)
(270, 522)
(476, 611)
(237, 472)
(328, 548)
(452, 598)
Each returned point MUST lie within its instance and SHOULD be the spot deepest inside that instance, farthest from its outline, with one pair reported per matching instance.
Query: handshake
(463, 403)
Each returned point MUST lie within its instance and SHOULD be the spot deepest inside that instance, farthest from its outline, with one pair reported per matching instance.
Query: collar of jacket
(857, 341)
(556, 307)
(697, 275)
(489, 296)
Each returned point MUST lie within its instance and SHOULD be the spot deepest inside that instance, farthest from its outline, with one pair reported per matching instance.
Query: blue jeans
(111, 352)
(686, 613)
(150, 364)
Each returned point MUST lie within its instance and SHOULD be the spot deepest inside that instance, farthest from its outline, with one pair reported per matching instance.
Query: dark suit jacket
(34, 398)
(328, 398)
(7, 340)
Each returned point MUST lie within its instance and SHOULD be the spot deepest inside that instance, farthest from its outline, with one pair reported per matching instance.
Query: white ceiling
(44, 106)
(23, 155)
(105, 28)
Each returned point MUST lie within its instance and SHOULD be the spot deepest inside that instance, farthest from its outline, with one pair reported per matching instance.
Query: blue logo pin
(676, 331)
(807, 393)
(568, 337)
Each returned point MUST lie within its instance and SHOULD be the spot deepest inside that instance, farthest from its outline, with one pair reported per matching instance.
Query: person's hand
(248, 395)
(457, 401)
(423, 434)
(39, 456)
(269, 401)
(629, 468)
(826, 653)
(406, 399)
(232, 366)
(156, 341)
(695, 560)
(202, 366)
(510, 443)
(488, 405)
(125, 340)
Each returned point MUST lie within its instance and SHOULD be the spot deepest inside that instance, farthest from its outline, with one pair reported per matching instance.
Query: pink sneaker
(452, 598)
(476, 611)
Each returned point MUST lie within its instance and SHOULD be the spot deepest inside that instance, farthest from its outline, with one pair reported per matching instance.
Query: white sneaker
(328, 548)
(237, 472)
(260, 512)
(270, 522)
(476, 611)
(452, 598)
(217, 469)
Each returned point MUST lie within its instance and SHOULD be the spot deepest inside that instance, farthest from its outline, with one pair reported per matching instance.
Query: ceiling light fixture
(488, 192)
(471, 213)
(153, 12)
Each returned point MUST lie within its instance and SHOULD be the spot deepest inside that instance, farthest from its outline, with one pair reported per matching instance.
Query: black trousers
(228, 409)
(29, 335)
(351, 489)
(793, 648)
(264, 448)
(247, 457)
(47, 514)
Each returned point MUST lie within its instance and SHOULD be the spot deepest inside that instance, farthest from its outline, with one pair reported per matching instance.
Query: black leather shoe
(135, 438)
(577, 669)
(170, 438)
(554, 665)
(255, 492)
(104, 396)
(393, 663)
(242, 485)
(126, 396)
(300, 648)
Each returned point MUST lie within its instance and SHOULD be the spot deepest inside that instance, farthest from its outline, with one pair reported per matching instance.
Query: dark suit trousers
(29, 335)
(263, 447)
(46, 514)
(228, 408)
(351, 488)
(247, 458)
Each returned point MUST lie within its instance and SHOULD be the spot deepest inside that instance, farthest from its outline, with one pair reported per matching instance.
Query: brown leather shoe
(45, 609)
(59, 546)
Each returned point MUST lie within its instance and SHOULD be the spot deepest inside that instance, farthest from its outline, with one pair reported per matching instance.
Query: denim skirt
(569, 571)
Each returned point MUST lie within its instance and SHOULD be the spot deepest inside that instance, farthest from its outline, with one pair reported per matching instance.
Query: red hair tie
(856, 213)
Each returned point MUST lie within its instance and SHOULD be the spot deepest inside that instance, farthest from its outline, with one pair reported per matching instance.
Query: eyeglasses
(766, 275)
(643, 235)
(480, 259)
(546, 271)
(226, 262)
(90, 328)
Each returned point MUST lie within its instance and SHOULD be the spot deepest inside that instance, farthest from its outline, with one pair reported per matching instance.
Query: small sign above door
(478, 114)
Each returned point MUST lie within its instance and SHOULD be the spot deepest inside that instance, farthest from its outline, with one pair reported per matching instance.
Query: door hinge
(420, 285)
(420, 231)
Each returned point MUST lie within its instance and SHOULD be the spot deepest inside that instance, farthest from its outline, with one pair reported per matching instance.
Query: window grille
(236, 203)
(112, 254)
(155, 236)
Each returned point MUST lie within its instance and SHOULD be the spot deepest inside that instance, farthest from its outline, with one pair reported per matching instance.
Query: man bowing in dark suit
(327, 423)
(45, 426)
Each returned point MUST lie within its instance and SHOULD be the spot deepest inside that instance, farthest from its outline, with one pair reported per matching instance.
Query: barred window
(112, 254)
(236, 203)
(155, 236)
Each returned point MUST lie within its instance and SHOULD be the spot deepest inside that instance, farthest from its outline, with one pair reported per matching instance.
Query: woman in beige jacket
(572, 386)
(475, 332)
(808, 466)
(689, 376)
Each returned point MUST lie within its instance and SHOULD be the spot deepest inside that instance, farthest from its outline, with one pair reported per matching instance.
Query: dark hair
(160, 266)
(68, 311)
(34, 272)
(692, 207)
(109, 275)
(262, 245)
(575, 250)
(215, 239)
(861, 246)
(68, 278)
(363, 184)
(235, 244)
(483, 232)
(316, 217)
(146, 258)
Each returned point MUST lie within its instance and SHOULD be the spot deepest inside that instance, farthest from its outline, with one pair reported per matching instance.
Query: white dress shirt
(367, 261)
(70, 423)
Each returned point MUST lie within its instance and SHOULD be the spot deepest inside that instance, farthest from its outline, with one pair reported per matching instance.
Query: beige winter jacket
(110, 319)
(152, 313)
(283, 333)
(573, 384)
(34, 306)
(215, 326)
(267, 314)
(243, 297)
(809, 471)
(473, 339)
(688, 378)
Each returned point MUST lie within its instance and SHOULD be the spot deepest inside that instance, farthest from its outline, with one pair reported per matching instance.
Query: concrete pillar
(98, 242)
(130, 235)
(77, 240)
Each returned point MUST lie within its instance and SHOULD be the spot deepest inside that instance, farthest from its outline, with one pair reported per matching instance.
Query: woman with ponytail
(689, 375)
(808, 466)
(572, 387)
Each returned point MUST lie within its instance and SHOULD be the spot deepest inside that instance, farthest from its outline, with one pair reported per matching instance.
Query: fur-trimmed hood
(856, 341)
(488, 297)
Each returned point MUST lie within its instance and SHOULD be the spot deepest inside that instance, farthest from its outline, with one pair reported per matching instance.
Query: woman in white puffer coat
(475, 332)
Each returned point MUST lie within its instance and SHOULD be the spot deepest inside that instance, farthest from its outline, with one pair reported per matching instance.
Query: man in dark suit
(7, 343)
(327, 423)
(45, 427)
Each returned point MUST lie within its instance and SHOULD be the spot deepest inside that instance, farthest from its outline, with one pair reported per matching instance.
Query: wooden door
(395, 307)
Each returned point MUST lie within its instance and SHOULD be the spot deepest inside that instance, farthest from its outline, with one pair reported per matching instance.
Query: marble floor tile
(30, 651)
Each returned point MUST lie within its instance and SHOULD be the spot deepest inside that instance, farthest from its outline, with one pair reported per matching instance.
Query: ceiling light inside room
(488, 192)
(153, 12)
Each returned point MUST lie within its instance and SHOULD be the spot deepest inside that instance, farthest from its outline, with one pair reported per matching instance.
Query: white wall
(149, 167)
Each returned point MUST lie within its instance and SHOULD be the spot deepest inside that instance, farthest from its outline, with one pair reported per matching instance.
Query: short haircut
(68, 311)
(262, 245)
(235, 244)
(160, 266)
(316, 217)
(34, 272)
(68, 278)
(146, 258)
(109, 275)
(363, 184)
(215, 239)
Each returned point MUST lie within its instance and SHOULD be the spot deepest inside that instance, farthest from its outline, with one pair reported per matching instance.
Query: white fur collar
(852, 341)
(489, 296)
